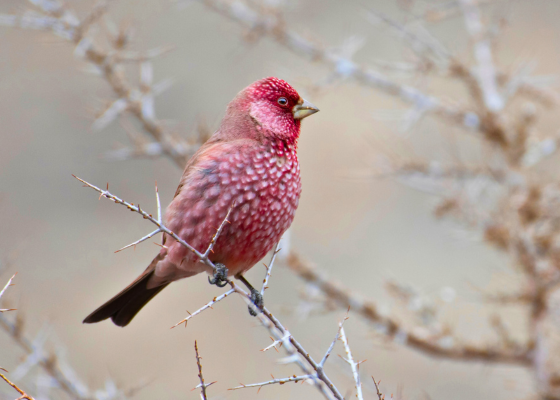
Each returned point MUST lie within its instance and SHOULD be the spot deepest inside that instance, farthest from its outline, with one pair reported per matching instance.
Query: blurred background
(361, 229)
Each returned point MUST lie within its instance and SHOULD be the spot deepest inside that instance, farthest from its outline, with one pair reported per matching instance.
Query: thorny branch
(281, 381)
(202, 385)
(295, 350)
(226, 294)
(319, 368)
(205, 307)
(157, 222)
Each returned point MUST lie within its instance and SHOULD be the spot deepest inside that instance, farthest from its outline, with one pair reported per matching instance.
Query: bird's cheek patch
(263, 114)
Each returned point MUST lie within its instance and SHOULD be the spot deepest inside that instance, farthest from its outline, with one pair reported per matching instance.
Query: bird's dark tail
(125, 305)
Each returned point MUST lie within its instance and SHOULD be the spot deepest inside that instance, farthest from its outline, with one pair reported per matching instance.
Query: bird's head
(274, 107)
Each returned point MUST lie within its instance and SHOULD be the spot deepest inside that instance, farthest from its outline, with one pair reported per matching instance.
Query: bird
(249, 168)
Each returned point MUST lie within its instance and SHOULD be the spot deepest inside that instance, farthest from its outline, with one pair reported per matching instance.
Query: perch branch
(291, 345)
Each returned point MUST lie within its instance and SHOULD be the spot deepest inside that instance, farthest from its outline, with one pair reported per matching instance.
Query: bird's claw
(257, 300)
(220, 276)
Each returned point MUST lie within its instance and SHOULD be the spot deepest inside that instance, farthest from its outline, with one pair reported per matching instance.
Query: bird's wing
(202, 169)
(208, 154)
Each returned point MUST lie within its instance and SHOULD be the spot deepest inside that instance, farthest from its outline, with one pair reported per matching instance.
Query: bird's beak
(303, 109)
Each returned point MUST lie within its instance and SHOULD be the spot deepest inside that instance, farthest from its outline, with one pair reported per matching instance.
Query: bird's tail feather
(125, 305)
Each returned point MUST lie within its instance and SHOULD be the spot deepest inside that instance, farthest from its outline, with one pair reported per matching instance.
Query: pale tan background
(60, 239)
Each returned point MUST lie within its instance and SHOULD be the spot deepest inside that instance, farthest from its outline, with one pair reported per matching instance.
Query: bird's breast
(261, 185)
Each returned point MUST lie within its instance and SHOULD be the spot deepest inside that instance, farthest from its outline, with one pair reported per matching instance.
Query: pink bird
(250, 163)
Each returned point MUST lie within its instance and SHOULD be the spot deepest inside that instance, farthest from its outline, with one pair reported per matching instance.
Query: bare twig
(2, 292)
(277, 249)
(151, 234)
(275, 381)
(206, 306)
(353, 364)
(23, 394)
(202, 385)
(218, 232)
(380, 395)
(158, 223)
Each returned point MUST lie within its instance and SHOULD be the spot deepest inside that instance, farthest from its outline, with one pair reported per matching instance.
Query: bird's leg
(220, 275)
(256, 297)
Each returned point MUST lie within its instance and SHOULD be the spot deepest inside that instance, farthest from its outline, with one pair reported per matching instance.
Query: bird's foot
(256, 297)
(257, 300)
(220, 276)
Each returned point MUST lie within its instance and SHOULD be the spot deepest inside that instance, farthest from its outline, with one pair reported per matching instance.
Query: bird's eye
(283, 101)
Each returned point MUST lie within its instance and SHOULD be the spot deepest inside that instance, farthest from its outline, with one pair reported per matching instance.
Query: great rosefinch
(249, 163)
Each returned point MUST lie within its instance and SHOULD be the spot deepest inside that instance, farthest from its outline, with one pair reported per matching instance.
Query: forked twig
(151, 234)
(157, 222)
